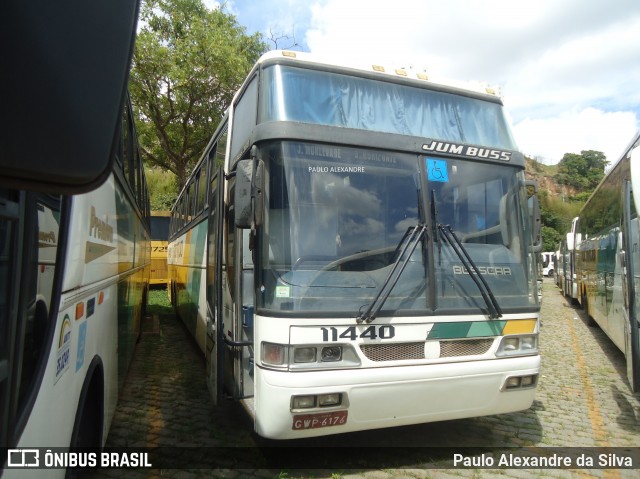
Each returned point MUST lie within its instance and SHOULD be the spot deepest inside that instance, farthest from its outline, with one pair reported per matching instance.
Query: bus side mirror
(69, 70)
(534, 214)
(249, 194)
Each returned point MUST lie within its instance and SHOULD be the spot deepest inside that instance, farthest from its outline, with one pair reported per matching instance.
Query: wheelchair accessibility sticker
(437, 170)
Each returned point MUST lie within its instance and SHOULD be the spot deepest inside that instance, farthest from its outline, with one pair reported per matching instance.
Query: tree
(556, 218)
(162, 188)
(550, 238)
(583, 171)
(188, 62)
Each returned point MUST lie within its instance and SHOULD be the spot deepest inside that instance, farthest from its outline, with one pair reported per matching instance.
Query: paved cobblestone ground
(583, 400)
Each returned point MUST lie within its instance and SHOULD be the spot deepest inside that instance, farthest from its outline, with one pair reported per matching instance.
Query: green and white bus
(356, 249)
(74, 232)
(608, 259)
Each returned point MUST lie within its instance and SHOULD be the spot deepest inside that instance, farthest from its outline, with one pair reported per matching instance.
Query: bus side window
(127, 154)
(28, 254)
(43, 247)
(9, 244)
(221, 150)
(202, 187)
(230, 233)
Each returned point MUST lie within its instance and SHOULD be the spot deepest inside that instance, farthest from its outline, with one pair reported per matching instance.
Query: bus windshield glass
(159, 228)
(310, 96)
(337, 218)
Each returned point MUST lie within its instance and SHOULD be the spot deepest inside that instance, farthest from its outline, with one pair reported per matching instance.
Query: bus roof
(360, 65)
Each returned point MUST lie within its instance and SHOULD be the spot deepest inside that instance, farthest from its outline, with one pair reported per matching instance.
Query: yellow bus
(159, 237)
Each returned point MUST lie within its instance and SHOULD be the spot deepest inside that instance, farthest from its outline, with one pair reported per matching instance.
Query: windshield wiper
(450, 237)
(415, 236)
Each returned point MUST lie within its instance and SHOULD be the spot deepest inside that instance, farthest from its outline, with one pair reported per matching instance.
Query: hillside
(544, 175)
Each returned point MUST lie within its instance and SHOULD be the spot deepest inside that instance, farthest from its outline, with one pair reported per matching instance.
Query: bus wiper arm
(450, 237)
(392, 278)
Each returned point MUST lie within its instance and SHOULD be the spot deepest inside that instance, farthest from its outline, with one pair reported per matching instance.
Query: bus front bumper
(391, 396)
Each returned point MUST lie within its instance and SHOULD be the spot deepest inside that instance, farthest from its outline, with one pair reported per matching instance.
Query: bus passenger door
(240, 342)
(238, 319)
(214, 349)
(236, 309)
(629, 253)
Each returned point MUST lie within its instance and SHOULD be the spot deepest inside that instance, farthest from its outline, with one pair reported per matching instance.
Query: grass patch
(159, 301)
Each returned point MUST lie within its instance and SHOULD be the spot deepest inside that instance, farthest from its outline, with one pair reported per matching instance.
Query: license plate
(322, 419)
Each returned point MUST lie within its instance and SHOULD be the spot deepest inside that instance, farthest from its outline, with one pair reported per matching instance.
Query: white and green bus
(74, 233)
(356, 249)
(608, 259)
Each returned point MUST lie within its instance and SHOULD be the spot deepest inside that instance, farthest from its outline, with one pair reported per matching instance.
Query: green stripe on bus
(467, 329)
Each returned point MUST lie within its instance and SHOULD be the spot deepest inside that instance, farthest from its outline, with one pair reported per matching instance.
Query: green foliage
(551, 237)
(581, 197)
(187, 64)
(556, 216)
(583, 171)
(163, 188)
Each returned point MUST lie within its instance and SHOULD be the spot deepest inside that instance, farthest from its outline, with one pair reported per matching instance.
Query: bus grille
(413, 351)
(393, 352)
(467, 347)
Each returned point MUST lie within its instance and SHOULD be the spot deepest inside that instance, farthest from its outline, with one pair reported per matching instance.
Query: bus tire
(87, 427)
(585, 307)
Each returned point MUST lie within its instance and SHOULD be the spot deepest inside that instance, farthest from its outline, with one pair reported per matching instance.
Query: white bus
(569, 284)
(355, 250)
(608, 258)
(74, 234)
(80, 294)
(548, 263)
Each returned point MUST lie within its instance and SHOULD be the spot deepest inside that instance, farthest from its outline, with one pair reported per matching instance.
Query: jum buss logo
(23, 458)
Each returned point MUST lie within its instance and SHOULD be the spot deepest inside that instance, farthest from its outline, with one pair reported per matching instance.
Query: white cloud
(569, 68)
(588, 129)
(600, 68)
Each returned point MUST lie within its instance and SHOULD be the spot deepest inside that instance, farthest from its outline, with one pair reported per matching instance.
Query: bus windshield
(159, 228)
(336, 218)
(309, 96)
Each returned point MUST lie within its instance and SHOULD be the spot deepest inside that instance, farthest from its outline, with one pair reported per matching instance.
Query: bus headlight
(522, 345)
(321, 356)
(304, 355)
(529, 343)
(331, 353)
(284, 356)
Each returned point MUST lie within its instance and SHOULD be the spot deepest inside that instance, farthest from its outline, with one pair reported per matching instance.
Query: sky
(568, 70)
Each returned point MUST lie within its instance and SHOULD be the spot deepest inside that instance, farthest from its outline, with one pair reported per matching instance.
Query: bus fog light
(327, 400)
(303, 402)
(304, 355)
(332, 353)
(513, 382)
(273, 354)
